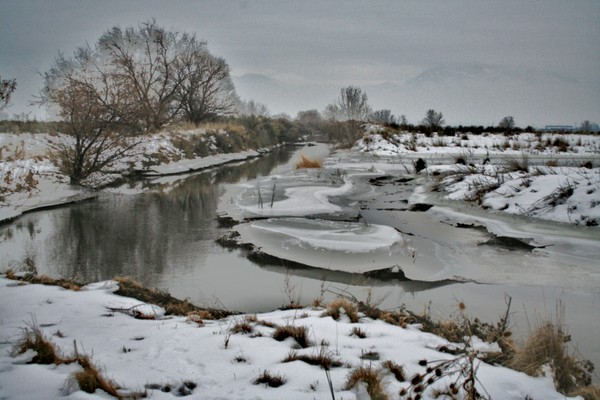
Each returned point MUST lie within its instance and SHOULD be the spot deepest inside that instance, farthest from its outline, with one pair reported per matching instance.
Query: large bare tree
(170, 74)
(133, 81)
(433, 119)
(206, 89)
(143, 60)
(93, 109)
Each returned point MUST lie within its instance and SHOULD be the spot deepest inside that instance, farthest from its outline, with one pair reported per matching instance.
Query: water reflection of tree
(258, 167)
(147, 235)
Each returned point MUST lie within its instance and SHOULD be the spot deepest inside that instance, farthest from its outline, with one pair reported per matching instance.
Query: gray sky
(476, 61)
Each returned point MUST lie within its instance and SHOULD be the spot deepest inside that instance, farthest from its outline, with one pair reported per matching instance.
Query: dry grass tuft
(371, 377)
(46, 352)
(588, 392)
(242, 327)
(298, 333)
(358, 332)
(322, 359)
(518, 164)
(395, 369)
(341, 306)
(306, 162)
(269, 380)
(90, 379)
(547, 347)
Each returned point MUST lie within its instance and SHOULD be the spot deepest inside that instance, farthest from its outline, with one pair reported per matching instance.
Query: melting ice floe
(332, 235)
(336, 245)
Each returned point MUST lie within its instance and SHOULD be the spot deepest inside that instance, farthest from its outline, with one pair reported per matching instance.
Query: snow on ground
(510, 182)
(30, 180)
(149, 355)
(383, 142)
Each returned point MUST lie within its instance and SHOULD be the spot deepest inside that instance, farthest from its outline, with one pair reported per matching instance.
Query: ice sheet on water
(335, 245)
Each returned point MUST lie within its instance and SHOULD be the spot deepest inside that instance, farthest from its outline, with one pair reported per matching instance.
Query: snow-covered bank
(548, 176)
(222, 358)
(31, 181)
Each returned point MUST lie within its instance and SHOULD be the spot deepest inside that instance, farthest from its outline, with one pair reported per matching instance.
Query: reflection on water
(144, 236)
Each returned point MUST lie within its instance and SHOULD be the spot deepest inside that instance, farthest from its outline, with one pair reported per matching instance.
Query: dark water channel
(165, 238)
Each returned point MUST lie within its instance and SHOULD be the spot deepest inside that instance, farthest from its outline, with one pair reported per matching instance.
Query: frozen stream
(165, 237)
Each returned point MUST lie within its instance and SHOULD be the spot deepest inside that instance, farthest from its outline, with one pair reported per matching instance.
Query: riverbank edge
(449, 331)
(44, 201)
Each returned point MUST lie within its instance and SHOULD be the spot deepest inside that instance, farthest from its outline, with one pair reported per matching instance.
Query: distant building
(559, 128)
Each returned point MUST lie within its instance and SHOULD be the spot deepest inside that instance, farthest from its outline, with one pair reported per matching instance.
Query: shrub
(298, 333)
(371, 377)
(561, 144)
(341, 306)
(395, 369)
(518, 164)
(322, 359)
(358, 332)
(546, 346)
(269, 380)
(90, 379)
(306, 162)
(46, 352)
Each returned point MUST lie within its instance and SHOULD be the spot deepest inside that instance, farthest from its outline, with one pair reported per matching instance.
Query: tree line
(138, 80)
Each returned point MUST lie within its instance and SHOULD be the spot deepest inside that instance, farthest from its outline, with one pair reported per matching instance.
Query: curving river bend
(164, 236)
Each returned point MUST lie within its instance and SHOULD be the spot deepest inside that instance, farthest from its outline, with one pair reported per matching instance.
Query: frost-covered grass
(293, 354)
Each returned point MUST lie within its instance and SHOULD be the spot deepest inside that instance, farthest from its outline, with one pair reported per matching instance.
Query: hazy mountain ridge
(468, 94)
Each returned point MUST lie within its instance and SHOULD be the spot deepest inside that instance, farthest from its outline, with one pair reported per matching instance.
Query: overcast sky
(476, 61)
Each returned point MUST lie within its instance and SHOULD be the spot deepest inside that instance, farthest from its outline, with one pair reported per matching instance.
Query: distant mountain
(469, 94)
(282, 96)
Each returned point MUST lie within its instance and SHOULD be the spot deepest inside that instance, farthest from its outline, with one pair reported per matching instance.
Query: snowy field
(554, 177)
(166, 357)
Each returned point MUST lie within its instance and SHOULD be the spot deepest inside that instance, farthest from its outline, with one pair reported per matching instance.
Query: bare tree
(383, 117)
(144, 61)
(402, 121)
(346, 114)
(352, 105)
(7, 88)
(433, 119)
(332, 112)
(311, 118)
(587, 126)
(253, 108)
(507, 123)
(91, 106)
(206, 89)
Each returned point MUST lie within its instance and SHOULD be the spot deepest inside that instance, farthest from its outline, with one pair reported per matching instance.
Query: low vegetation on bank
(468, 342)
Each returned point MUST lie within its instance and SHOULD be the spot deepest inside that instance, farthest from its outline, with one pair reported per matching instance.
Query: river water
(164, 236)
